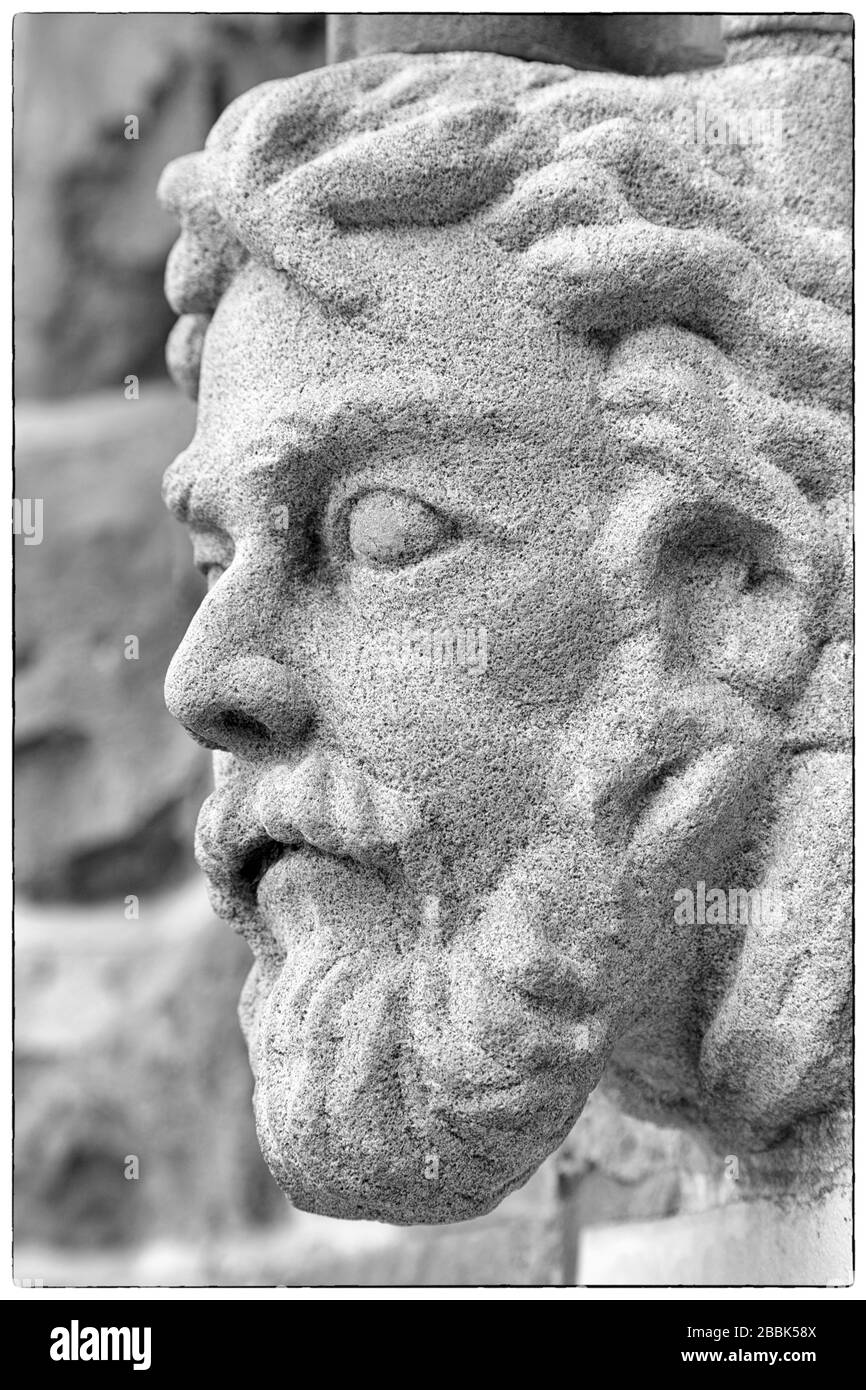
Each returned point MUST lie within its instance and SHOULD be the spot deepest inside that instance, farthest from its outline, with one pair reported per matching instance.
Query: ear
(732, 578)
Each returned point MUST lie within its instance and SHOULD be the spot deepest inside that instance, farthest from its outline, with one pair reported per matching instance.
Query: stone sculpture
(520, 479)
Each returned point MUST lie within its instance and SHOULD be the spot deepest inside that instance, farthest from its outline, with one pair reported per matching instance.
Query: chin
(356, 1132)
(402, 1078)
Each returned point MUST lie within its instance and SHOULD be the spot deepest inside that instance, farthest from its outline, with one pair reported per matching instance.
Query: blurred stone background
(128, 1054)
(127, 1043)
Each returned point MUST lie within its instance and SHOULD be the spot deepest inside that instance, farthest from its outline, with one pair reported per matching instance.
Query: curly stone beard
(413, 1083)
(414, 1070)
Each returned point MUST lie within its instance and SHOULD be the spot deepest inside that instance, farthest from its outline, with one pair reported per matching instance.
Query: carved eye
(392, 529)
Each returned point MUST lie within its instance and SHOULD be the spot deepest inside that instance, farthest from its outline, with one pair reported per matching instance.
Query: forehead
(436, 328)
(460, 372)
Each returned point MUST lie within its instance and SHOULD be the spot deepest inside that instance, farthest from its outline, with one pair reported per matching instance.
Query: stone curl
(594, 181)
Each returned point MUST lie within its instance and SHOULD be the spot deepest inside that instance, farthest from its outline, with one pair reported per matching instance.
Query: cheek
(425, 709)
(515, 625)
(419, 704)
(479, 768)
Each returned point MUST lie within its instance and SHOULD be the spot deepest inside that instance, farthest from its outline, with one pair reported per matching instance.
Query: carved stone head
(519, 481)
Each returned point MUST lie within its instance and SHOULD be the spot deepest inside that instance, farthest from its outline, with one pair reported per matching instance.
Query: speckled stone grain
(521, 480)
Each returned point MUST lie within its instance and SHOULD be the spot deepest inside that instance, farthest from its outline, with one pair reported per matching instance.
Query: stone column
(640, 44)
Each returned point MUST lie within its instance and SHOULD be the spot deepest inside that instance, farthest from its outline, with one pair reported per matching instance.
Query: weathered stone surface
(106, 786)
(530, 356)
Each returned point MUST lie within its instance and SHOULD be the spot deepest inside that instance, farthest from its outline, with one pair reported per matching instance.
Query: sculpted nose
(246, 705)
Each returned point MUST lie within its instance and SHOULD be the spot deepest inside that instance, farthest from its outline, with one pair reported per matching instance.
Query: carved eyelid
(340, 508)
(426, 531)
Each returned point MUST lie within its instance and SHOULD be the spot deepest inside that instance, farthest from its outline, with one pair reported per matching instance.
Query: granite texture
(521, 483)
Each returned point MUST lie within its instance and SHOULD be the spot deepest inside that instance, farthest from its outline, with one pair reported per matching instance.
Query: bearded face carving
(518, 481)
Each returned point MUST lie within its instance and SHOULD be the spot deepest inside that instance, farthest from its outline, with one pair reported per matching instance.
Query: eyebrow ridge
(352, 425)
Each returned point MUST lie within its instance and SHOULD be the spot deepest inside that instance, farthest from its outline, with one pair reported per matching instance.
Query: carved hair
(573, 173)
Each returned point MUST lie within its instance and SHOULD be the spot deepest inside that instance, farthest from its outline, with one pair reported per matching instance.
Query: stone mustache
(485, 344)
